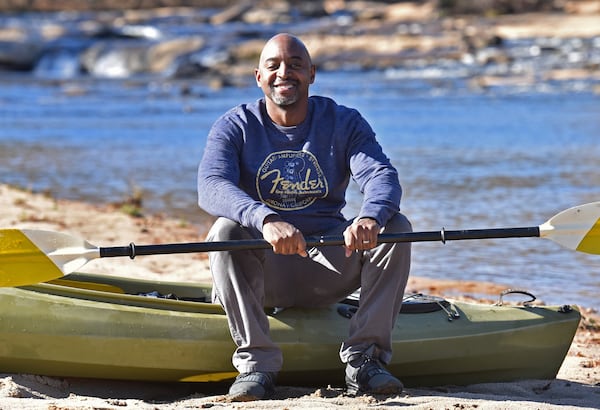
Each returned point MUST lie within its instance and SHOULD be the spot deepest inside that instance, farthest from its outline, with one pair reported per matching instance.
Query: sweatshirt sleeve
(219, 192)
(374, 173)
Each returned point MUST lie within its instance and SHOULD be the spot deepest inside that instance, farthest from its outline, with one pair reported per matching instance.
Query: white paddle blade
(31, 256)
(68, 252)
(576, 228)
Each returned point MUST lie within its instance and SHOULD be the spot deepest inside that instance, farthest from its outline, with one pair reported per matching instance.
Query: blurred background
(490, 110)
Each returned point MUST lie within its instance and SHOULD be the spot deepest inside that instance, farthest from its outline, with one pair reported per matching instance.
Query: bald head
(284, 41)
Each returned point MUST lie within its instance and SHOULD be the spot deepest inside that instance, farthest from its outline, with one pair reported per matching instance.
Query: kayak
(108, 327)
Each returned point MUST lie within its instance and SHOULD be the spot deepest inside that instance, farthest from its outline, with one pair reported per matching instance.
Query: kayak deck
(99, 327)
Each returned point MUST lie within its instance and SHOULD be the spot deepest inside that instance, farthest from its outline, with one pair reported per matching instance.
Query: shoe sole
(390, 389)
(243, 398)
(246, 396)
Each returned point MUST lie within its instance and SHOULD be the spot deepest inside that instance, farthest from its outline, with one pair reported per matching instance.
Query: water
(466, 159)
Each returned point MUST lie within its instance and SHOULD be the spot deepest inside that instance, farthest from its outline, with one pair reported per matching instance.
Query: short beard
(283, 101)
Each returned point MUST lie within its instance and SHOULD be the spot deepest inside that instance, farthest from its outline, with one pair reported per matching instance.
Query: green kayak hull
(96, 326)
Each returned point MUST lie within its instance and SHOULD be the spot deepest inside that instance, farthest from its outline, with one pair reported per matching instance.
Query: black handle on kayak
(133, 250)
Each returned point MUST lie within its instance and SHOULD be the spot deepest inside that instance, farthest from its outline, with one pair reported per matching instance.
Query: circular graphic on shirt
(290, 180)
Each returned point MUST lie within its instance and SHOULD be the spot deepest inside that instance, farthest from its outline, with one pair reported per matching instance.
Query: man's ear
(257, 77)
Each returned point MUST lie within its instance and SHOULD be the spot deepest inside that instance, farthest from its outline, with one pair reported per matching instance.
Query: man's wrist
(370, 218)
(271, 218)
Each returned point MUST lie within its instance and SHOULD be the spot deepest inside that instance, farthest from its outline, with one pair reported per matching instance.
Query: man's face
(285, 71)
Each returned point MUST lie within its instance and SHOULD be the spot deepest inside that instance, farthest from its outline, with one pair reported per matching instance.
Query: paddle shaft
(133, 250)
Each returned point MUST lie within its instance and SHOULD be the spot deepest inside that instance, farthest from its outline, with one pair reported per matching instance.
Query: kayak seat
(414, 303)
(172, 296)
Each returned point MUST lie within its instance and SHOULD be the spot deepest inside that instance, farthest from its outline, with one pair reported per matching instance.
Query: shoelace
(369, 368)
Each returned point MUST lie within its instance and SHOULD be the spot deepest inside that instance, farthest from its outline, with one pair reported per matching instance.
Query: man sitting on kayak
(278, 168)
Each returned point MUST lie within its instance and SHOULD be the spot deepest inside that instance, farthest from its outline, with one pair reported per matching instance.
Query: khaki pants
(247, 281)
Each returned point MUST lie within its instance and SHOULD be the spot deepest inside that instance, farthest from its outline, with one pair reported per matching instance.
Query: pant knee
(226, 230)
(398, 223)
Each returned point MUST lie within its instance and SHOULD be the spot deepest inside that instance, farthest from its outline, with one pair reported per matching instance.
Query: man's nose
(283, 70)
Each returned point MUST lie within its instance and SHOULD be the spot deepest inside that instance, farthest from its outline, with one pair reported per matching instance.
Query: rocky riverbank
(86, 5)
(221, 45)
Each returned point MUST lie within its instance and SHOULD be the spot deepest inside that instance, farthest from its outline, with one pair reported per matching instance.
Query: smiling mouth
(284, 86)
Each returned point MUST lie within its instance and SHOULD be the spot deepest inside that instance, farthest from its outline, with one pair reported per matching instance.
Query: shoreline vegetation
(488, 7)
(109, 225)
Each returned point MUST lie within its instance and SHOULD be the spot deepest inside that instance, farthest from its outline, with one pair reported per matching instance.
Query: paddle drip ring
(132, 250)
(443, 235)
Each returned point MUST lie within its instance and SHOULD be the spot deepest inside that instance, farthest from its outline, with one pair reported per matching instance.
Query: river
(501, 156)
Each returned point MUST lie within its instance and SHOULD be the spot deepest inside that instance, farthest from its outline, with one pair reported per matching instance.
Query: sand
(577, 384)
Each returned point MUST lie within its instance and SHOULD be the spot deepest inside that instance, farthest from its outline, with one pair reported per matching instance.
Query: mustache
(284, 82)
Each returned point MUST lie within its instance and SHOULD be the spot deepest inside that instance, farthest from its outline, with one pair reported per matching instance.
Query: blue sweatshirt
(253, 168)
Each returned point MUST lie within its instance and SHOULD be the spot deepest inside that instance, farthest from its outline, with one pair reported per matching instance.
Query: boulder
(119, 60)
(19, 54)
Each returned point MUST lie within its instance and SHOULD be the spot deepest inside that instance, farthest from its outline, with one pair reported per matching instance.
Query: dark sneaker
(367, 375)
(252, 386)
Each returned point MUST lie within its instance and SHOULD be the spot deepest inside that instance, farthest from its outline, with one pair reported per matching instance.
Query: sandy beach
(576, 386)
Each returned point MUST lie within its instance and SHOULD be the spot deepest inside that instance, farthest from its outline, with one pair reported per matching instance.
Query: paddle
(31, 256)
